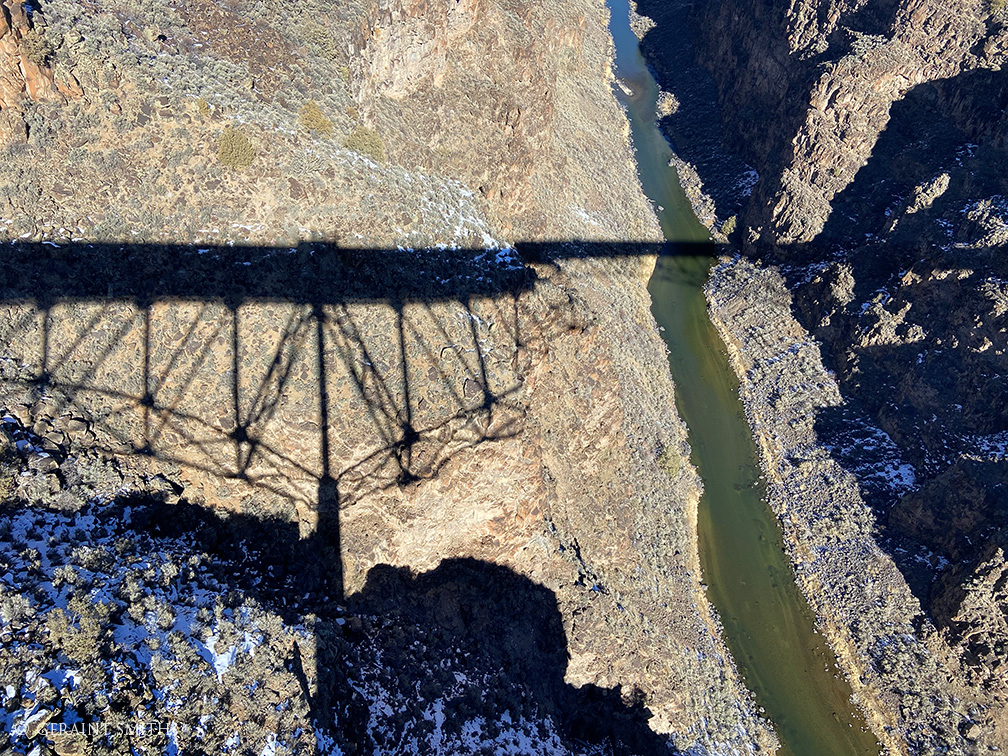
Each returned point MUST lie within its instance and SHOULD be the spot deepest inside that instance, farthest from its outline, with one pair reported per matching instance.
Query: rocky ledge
(902, 671)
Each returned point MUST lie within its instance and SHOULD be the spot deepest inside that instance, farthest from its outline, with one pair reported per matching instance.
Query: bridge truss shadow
(287, 385)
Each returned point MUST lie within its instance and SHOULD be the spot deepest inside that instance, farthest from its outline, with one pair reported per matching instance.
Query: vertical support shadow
(328, 487)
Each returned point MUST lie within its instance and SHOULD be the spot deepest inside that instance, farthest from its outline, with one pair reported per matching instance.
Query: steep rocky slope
(288, 336)
(878, 134)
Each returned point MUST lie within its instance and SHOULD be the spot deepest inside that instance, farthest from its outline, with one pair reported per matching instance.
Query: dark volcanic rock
(878, 131)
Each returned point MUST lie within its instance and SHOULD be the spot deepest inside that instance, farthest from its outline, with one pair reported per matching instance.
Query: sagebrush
(367, 142)
(234, 149)
(313, 119)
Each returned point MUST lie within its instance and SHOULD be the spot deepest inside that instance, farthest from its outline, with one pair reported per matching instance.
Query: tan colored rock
(429, 52)
(22, 75)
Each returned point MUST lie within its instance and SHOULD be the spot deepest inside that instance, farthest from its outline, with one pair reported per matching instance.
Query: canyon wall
(862, 159)
(346, 301)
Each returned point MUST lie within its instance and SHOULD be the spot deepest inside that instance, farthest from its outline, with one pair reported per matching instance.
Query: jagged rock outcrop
(879, 135)
(403, 43)
(25, 71)
(979, 628)
(833, 70)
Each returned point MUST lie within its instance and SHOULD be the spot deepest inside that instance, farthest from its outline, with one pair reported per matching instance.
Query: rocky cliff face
(878, 134)
(829, 73)
(283, 284)
(25, 73)
(433, 54)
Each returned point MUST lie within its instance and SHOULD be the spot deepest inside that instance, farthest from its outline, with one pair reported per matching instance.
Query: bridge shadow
(285, 386)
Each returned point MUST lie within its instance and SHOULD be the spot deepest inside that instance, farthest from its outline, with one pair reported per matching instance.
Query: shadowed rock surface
(877, 131)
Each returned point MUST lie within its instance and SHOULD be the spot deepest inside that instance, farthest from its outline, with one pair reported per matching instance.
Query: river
(767, 623)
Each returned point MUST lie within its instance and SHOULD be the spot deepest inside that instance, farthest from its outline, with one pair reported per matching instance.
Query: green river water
(768, 624)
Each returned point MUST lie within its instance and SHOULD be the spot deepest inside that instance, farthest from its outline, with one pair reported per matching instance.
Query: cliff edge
(860, 160)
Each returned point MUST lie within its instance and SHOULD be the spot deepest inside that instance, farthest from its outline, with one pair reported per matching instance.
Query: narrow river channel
(768, 624)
